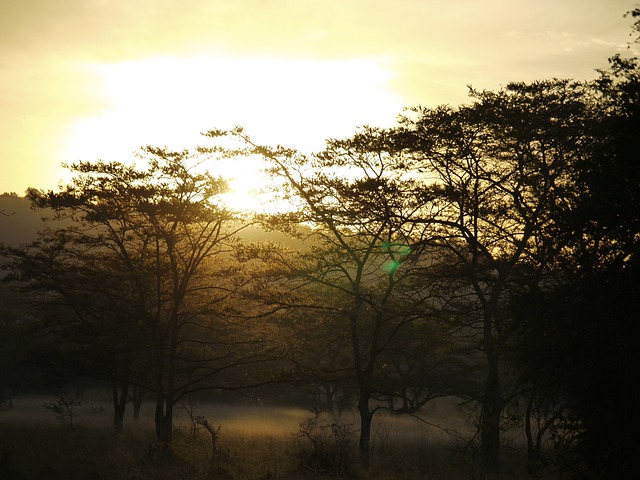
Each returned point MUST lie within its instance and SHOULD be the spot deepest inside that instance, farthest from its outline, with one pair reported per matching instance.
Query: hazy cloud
(431, 48)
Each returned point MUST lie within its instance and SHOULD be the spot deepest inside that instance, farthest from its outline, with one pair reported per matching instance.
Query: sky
(97, 79)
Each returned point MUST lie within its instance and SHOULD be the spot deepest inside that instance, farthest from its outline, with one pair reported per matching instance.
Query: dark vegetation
(485, 254)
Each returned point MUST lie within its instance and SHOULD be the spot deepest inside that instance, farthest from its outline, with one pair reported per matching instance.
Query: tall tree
(96, 331)
(149, 237)
(579, 331)
(500, 166)
(353, 210)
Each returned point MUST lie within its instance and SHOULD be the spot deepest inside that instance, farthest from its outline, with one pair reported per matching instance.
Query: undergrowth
(38, 447)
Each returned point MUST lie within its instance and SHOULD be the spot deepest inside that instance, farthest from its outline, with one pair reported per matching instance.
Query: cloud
(296, 102)
(430, 49)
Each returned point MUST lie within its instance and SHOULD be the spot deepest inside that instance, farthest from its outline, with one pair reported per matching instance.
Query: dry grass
(254, 443)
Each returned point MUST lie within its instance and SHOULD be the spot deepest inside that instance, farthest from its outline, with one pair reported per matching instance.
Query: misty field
(249, 442)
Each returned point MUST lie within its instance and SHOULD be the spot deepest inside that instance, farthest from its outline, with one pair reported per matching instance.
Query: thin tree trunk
(167, 424)
(169, 397)
(329, 392)
(365, 429)
(136, 398)
(492, 401)
(119, 404)
(159, 417)
(490, 418)
(532, 459)
(160, 388)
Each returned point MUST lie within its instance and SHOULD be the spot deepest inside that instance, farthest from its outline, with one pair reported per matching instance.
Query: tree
(500, 166)
(353, 210)
(17, 316)
(137, 260)
(91, 325)
(635, 28)
(579, 332)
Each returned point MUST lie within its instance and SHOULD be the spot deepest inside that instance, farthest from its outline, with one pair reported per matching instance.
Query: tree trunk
(532, 455)
(490, 418)
(165, 379)
(365, 429)
(167, 423)
(164, 420)
(136, 398)
(160, 396)
(534, 446)
(329, 392)
(159, 417)
(119, 404)
(136, 410)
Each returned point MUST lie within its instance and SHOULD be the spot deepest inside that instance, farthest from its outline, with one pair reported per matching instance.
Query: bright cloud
(168, 101)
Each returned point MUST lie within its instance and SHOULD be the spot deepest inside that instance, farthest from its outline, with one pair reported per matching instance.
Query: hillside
(18, 222)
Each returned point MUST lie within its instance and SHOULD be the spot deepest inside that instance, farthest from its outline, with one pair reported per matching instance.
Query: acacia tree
(354, 210)
(148, 235)
(96, 332)
(501, 166)
(579, 333)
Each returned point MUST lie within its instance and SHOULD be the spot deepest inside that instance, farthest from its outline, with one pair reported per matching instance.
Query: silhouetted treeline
(487, 251)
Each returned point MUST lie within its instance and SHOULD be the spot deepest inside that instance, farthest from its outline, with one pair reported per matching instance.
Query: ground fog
(245, 441)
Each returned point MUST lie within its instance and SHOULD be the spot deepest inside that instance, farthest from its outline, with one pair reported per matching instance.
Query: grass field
(253, 443)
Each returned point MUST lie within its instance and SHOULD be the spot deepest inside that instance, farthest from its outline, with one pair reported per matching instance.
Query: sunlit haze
(82, 80)
(170, 100)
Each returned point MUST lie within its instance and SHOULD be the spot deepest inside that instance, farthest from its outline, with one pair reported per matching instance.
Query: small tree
(64, 408)
(214, 433)
(326, 446)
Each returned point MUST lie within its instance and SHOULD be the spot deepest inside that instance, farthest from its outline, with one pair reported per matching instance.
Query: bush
(325, 447)
(64, 408)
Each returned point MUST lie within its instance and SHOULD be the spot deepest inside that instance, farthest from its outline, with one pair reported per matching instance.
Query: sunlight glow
(168, 101)
(246, 184)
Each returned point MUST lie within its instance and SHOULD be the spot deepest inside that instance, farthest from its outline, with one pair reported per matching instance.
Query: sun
(168, 101)
(248, 185)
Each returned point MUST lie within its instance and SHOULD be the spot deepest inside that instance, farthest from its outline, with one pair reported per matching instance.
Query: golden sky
(88, 79)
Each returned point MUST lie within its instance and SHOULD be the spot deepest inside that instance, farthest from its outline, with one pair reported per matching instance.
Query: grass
(254, 443)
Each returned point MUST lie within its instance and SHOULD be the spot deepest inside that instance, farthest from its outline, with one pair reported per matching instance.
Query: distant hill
(18, 222)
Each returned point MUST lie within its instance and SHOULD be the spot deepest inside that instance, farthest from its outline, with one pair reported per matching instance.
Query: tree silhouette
(136, 259)
(354, 212)
(499, 166)
(577, 332)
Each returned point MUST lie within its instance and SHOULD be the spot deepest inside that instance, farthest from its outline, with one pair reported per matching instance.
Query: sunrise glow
(168, 101)
(97, 79)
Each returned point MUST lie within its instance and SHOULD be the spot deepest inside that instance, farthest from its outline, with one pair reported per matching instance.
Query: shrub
(63, 407)
(325, 447)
